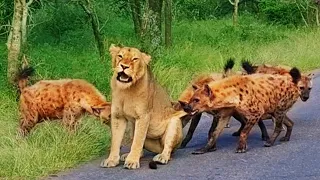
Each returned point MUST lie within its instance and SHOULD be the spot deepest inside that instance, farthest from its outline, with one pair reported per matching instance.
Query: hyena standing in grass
(65, 99)
(253, 96)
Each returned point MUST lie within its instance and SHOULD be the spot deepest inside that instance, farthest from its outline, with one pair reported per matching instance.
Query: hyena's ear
(146, 58)
(97, 110)
(208, 91)
(114, 50)
(194, 87)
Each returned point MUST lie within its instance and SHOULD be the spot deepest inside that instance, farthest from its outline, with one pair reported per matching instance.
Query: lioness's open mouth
(123, 77)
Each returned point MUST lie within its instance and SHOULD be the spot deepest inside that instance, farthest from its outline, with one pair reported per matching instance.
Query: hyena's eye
(309, 89)
(301, 88)
(196, 100)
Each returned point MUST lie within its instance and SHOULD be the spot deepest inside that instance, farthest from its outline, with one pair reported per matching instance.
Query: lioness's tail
(23, 76)
(248, 67)
(153, 165)
(295, 74)
(228, 67)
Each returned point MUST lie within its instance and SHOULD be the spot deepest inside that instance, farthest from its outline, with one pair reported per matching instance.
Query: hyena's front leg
(289, 124)
(171, 140)
(278, 118)
(211, 145)
(118, 127)
(251, 120)
(140, 134)
(194, 123)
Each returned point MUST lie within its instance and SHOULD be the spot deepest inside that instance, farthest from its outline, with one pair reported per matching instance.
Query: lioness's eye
(134, 59)
(120, 56)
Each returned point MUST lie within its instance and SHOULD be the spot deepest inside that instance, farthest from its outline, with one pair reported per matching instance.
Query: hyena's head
(303, 82)
(305, 86)
(200, 101)
(103, 111)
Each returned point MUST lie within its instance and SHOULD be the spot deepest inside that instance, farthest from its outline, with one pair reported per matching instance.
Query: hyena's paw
(123, 157)
(241, 149)
(161, 159)
(265, 138)
(131, 163)
(268, 143)
(107, 163)
(283, 139)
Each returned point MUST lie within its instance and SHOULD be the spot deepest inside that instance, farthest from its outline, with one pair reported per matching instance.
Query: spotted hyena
(253, 96)
(64, 99)
(305, 84)
(187, 94)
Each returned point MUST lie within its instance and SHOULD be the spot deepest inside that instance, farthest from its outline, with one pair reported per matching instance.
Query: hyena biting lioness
(253, 96)
(65, 99)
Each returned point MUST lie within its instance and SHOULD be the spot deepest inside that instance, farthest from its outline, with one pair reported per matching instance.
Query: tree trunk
(168, 22)
(88, 8)
(136, 16)
(235, 13)
(317, 15)
(25, 15)
(14, 42)
(151, 25)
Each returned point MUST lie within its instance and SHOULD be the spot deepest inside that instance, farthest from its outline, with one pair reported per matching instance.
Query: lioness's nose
(124, 66)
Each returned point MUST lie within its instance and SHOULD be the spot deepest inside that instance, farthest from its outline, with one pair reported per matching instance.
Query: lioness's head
(129, 64)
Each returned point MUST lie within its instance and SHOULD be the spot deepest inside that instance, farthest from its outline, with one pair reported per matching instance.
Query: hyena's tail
(23, 77)
(228, 67)
(295, 74)
(248, 67)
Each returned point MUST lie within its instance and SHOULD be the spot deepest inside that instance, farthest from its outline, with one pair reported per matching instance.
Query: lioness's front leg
(140, 133)
(118, 127)
(171, 140)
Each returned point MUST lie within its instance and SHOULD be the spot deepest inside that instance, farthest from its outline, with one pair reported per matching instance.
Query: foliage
(6, 13)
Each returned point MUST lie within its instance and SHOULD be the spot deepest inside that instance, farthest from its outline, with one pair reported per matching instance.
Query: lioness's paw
(123, 157)
(131, 164)
(107, 163)
(160, 158)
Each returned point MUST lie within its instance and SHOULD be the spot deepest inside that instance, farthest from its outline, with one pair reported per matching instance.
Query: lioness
(139, 100)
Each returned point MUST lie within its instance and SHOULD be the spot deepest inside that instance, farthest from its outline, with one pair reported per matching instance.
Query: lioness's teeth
(123, 79)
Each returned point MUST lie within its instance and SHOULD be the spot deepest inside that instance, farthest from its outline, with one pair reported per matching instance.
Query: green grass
(199, 47)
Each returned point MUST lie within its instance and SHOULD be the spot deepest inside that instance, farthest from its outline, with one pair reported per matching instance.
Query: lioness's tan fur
(137, 99)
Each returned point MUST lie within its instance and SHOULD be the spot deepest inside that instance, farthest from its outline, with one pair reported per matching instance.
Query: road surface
(298, 159)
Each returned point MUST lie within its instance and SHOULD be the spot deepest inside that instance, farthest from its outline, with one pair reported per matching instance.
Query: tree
(89, 9)
(168, 22)
(136, 16)
(235, 4)
(17, 39)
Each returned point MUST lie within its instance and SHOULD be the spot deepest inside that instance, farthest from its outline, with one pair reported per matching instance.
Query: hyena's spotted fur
(65, 99)
(187, 94)
(253, 96)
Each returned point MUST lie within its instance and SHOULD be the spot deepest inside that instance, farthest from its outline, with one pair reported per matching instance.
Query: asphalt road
(298, 159)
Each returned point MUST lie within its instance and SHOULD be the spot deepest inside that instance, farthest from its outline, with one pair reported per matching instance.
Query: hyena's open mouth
(123, 77)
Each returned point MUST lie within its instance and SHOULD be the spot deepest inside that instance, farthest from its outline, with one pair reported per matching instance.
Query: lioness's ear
(146, 58)
(114, 50)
